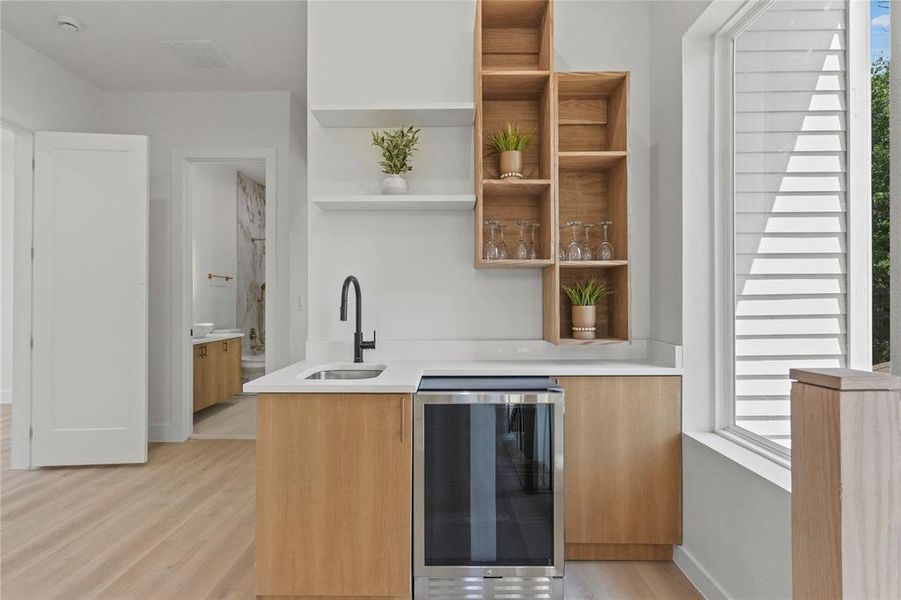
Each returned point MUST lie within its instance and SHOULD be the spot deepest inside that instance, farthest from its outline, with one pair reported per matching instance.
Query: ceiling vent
(199, 54)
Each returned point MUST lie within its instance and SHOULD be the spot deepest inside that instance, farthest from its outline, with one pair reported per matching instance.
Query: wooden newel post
(846, 484)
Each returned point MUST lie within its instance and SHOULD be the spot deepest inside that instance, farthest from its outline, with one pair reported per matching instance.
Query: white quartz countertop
(404, 376)
(216, 337)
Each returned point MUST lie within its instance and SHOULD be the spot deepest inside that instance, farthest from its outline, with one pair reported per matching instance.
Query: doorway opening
(226, 255)
(228, 265)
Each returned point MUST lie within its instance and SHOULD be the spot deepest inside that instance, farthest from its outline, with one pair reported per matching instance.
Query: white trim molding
(895, 191)
(20, 435)
(699, 577)
(859, 182)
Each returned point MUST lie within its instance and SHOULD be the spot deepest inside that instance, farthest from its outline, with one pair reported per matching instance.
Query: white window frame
(859, 236)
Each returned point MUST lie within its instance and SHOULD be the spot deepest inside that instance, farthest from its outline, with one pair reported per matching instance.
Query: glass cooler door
(488, 485)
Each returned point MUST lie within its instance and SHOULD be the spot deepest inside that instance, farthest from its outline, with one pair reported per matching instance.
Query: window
(786, 267)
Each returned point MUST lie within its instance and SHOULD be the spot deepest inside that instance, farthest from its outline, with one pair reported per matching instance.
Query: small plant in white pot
(584, 296)
(510, 142)
(398, 147)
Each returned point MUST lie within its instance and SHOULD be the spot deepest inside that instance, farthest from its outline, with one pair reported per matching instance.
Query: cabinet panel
(200, 377)
(334, 487)
(233, 367)
(623, 460)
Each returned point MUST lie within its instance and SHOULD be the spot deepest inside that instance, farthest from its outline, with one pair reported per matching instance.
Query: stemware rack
(575, 169)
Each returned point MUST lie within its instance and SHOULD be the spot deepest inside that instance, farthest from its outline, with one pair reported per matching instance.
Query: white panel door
(90, 299)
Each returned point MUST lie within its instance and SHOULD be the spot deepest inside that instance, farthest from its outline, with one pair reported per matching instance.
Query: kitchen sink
(368, 372)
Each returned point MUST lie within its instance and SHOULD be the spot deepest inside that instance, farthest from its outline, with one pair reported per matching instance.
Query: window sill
(723, 444)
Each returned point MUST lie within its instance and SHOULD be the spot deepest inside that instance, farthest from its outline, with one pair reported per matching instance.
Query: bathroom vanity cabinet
(217, 371)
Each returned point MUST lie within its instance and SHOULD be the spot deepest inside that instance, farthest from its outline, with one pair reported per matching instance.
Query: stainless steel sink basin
(346, 374)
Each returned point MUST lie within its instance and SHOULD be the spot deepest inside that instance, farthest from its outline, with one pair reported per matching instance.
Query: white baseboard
(698, 575)
(6, 396)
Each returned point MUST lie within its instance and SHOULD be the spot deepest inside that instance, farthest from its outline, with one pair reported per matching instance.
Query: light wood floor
(232, 419)
(181, 527)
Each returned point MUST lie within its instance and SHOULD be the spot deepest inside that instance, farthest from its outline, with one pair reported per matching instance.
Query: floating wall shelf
(421, 115)
(379, 202)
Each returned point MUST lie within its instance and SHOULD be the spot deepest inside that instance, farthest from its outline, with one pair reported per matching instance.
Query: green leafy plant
(398, 147)
(588, 293)
(511, 137)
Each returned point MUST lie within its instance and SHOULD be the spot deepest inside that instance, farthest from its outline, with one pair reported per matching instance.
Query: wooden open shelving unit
(575, 169)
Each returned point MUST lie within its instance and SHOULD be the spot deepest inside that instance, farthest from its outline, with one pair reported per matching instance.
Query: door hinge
(31, 433)
(31, 343)
(32, 253)
(33, 163)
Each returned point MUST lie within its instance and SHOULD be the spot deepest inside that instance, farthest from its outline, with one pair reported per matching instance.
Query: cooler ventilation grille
(501, 588)
(199, 54)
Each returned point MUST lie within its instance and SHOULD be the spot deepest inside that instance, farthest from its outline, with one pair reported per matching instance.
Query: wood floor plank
(144, 521)
(119, 507)
(235, 418)
(666, 581)
(181, 527)
(238, 581)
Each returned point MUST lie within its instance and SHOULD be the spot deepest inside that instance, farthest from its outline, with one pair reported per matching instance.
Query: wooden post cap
(846, 379)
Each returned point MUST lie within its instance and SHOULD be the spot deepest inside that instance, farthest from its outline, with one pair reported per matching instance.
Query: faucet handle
(370, 345)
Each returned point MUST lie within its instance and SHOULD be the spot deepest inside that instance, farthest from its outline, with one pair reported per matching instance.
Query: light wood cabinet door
(623, 466)
(200, 377)
(232, 360)
(217, 372)
(334, 488)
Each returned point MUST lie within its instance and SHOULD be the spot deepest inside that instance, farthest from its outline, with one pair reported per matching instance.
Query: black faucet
(359, 343)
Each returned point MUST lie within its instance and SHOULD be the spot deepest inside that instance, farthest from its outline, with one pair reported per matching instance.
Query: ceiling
(120, 45)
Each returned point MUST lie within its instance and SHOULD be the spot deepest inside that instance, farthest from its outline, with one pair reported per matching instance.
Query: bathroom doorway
(227, 203)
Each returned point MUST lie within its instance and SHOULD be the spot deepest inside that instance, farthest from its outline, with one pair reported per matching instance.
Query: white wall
(38, 94)
(416, 269)
(206, 120)
(297, 293)
(736, 527)
(214, 192)
(7, 195)
(669, 20)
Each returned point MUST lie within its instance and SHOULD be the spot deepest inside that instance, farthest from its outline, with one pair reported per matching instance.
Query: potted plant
(584, 296)
(398, 147)
(509, 142)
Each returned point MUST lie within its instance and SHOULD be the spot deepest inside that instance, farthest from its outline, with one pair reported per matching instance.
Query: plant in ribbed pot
(510, 142)
(584, 296)
(398, 147)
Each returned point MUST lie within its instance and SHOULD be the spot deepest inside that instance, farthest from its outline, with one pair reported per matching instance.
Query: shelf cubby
(513, 74)
(595, 195)
(525, 101)
(513, 201)
(591, 179)
(612, 313)
(516, 35)
(592, 111)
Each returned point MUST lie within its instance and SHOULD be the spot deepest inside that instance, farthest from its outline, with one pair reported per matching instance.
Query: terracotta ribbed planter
(584, 321)
(511, 164)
